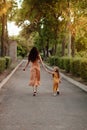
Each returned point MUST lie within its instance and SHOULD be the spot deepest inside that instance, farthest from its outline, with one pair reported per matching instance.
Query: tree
(4, 33)
(57, 17)
(6, 6)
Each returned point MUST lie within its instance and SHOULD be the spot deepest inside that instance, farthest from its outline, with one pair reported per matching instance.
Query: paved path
(19, 110)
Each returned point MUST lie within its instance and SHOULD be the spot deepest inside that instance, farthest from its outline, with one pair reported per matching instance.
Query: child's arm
(50, 72)
(26, 66)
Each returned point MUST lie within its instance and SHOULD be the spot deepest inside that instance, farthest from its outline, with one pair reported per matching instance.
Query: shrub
(67, 62)
(61, 62)
(8, 61)
(76, 66)
(21, 50)
(53, 60)
(84, 69)
(2, 64)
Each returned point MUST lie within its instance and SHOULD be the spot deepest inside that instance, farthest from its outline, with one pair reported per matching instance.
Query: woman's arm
(26, 65)
(42, 62)
(50, 72)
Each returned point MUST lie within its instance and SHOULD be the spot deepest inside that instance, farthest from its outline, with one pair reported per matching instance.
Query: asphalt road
(19, 110)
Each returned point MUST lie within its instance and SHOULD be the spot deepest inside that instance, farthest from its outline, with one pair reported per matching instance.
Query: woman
(34, 57)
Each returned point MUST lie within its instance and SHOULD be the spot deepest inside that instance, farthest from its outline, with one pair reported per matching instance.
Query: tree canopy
(57, 23)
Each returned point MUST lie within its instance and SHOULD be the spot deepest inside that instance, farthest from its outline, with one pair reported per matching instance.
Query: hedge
(84, 69)
(8, 61)
(67, 64)
(76, 66)
(2, 64)
(53, 60)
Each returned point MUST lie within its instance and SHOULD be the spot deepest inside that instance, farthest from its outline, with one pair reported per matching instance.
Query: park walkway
(19, 110)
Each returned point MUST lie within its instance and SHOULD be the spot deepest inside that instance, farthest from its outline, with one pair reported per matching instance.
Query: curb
(9, 76)
(76, 83)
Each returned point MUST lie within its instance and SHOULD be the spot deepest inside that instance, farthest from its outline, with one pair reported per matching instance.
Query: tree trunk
(69, 31)
(73, 45)
(47, 48)
(55, 48)
(3, 36)
(63, 47)
(69, 44)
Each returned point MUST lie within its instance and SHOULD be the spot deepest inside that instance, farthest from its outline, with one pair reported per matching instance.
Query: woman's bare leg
(34, 90)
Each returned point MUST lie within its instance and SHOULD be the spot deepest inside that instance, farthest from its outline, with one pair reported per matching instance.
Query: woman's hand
(26, 66)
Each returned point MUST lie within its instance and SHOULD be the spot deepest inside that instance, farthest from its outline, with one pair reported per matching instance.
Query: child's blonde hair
(56, 69)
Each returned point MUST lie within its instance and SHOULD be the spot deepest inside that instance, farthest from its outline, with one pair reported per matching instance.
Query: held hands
(60, 81)
(24, 69)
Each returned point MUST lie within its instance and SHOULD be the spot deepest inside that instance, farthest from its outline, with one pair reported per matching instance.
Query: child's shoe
(58, 92)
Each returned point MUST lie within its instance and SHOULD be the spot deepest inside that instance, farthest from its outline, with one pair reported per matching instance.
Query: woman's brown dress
(35, 74)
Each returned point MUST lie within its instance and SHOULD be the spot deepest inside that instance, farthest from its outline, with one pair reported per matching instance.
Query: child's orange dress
(56, 81)
(35, 74)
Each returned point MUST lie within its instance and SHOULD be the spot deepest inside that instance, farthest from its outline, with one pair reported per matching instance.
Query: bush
(53, 60)
(2, 64)
(61, 62)
(67, 62)
(8, 61)
(21, 50)
(84, 69)
(76, 66)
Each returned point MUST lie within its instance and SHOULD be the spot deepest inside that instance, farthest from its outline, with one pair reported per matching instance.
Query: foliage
(84, 69)
(81, 44)
(8, 61)
(53, 60)
(53, 21)
(50, 19)
(2, 64)
(76, 66)
(67, 62)
(21, 51)
(4, 6)
(82, 54)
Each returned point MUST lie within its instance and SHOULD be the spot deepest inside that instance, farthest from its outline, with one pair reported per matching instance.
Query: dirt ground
(4, 74)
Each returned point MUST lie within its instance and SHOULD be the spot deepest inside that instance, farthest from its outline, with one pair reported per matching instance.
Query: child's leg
(55, 89)
(34, 90)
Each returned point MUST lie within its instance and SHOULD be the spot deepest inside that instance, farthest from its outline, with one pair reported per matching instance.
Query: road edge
(9, 76)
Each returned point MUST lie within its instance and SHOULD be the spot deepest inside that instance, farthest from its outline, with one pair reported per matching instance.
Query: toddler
(56, 80)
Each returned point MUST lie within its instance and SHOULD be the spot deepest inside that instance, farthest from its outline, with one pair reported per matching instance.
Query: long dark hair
(33, 55)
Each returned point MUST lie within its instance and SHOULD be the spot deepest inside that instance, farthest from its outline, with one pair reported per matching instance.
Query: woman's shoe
(54, 94)
(34, 94)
